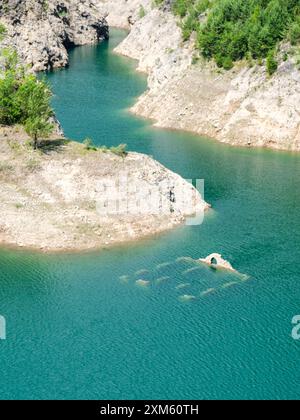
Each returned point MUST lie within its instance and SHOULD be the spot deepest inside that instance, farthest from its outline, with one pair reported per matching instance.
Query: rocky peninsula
(67, 197)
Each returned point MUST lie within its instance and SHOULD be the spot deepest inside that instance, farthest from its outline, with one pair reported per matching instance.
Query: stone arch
(214, 261)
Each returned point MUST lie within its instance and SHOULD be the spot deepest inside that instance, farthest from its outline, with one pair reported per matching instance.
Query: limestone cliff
(243, 107)
(42, 31)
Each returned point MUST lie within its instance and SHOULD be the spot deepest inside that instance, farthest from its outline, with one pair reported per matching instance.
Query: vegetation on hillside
(26, 100)
(230, 30)
(2, 32)
(120, 150)
(23, 98)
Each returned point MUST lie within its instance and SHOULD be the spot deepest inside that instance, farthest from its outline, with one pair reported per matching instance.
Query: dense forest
(231, 30)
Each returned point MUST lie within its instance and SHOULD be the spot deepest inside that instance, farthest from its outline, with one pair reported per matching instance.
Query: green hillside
(230, 30)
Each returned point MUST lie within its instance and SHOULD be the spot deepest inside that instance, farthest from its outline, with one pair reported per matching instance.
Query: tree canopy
(24, 99)
(235, 29)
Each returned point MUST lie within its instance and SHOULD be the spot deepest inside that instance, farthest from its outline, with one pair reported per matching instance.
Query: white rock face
(124, 13)
(157, 44)
(41, 31)
(243, 107)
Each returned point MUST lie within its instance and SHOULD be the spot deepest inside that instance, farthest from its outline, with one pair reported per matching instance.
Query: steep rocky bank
(64, 197)
(243, 107)
(42, 31)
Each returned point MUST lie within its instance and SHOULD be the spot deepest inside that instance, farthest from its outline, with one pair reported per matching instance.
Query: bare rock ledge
(61, 197)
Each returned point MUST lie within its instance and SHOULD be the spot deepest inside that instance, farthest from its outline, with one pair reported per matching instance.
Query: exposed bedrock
(242, 107)
(42, 31)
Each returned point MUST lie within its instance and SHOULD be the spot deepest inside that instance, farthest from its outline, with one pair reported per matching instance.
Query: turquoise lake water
(79, 327)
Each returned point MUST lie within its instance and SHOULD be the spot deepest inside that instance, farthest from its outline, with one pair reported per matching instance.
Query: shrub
(2, 32)
(89, 144)
(180, 7)
(294, 33)
(142, 12)
(227, 63)
(272, 64)
(119, 150)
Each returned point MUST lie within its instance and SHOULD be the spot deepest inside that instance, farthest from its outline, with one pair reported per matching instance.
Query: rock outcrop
(125, 13)
(216, 261)
(42, 31)
(65, 197)
(242, 107)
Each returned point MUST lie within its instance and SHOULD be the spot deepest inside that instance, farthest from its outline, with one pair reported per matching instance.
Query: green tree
(272, 64)
(9, 113)
(2, 32)
(10, 81)
(23, 98)
(38, 112)
(180, 7)
(294, 32)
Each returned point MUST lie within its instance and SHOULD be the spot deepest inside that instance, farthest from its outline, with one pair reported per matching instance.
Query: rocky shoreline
(43, 31)
(241, 107)
(65, 198)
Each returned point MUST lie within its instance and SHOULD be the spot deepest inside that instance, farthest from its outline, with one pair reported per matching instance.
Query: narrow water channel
(79, 326)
